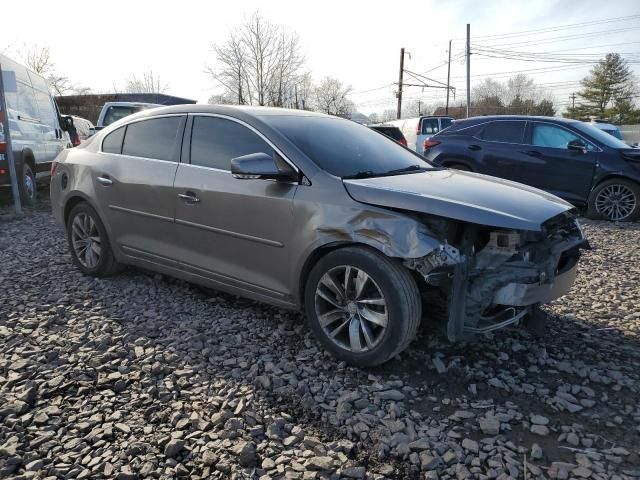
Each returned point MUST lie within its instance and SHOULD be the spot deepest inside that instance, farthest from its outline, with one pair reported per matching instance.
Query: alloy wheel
(29, 187)
(616, 202)
(351, 309)
(86, 241)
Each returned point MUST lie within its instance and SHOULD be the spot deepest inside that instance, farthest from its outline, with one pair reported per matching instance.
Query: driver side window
(552, 136)
(215, 141)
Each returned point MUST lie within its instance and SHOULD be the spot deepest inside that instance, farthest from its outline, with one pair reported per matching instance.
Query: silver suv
(308, 211)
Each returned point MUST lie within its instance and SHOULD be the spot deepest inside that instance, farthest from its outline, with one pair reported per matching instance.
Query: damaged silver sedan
(312, 212)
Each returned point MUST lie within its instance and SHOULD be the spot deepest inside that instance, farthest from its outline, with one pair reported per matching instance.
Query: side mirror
(577, 146)
(258, 166)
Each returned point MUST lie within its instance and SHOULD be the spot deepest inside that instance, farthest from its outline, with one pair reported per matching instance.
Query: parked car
(605, 126)
(37, 131)
(83, 127)
(417, 130)
(390, 131)
(309, 211)
(113, 111)
(568, 158)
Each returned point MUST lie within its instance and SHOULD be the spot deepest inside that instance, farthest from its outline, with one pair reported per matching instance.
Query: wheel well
(72, 202)
(28, 158)
(450, 163)
(613, 176)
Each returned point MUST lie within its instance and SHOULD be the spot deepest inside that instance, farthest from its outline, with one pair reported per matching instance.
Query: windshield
(600, 135)
(116, 113)
(345, 148)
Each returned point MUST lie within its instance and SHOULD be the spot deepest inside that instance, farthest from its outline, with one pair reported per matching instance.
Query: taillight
(76, 141)
(54, 168)
(403, 141)
(3, 148)
(430, 143)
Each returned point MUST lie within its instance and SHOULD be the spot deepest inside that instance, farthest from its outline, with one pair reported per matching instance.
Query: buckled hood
(465, 196)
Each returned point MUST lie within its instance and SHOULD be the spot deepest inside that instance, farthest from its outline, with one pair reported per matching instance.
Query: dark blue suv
(568, 158)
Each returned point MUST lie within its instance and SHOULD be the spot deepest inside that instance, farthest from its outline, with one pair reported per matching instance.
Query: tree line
(261, 63)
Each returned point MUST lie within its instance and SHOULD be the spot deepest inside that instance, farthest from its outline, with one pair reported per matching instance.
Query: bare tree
(149, 83)
(331, 97)
(259, 64)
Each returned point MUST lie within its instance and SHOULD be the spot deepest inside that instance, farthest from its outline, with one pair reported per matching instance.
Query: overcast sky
(99, 44)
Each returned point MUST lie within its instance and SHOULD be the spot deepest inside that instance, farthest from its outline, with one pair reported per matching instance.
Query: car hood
(465, 196)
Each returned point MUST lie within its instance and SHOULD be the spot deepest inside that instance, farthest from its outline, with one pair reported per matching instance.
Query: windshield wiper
(363, 174)
(410, 168)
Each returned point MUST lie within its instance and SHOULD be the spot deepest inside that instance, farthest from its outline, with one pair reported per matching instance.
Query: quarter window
(215, 141)
(551, 136)
(505, 131)
(112, 143)
(154, 138)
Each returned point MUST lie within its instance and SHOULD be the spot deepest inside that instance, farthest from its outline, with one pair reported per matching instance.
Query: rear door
(498, 149)
(133, 181)
(234, 232)
(563, 172)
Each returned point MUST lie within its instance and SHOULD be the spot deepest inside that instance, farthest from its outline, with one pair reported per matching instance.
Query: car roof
(487, 118)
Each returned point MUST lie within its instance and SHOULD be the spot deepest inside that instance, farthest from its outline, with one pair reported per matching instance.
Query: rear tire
(89, 244)
(616, 200)
(371, 319)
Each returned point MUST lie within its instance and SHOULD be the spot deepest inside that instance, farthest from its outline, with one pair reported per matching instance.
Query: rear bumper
(523, 294)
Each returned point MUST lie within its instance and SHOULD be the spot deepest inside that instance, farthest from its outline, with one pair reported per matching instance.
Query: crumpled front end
(493, 278)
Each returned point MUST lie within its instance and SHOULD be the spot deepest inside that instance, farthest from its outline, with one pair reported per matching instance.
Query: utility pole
(4, 120)
(468, 69)
(573, 100)
(448, 79)
(400, 83)
(419, 108)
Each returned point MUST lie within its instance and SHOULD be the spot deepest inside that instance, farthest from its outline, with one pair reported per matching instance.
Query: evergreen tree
(610, 80)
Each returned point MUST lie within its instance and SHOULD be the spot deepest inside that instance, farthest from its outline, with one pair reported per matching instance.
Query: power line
(564, 38)
(556, 28)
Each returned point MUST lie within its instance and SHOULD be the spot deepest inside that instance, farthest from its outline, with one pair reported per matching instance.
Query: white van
(418, 129)
(35, 127)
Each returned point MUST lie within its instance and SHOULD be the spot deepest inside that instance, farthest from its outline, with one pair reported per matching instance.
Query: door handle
(105, 180)
(474, 147)
(532, 153)
(189, 197)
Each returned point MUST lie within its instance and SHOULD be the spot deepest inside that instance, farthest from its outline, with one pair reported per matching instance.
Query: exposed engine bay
(492, 277)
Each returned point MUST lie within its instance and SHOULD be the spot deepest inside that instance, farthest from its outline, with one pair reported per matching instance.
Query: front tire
(363, 307)
(88, 242)
(27, 186)
(459, 166)
(616, 200)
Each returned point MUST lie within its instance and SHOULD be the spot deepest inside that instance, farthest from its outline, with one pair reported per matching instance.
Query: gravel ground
(142, 376)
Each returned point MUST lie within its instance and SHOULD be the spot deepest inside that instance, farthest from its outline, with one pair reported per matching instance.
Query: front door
(133, 180)
(230, 231)
(558, 170)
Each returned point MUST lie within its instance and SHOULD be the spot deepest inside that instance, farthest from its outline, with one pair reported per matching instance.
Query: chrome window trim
(596, 148)
(250, 127)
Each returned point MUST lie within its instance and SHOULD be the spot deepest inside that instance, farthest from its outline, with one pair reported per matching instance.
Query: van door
(52, 135)
(428, 128)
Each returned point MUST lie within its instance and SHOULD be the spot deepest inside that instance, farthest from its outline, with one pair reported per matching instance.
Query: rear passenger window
(155, 138)
(506, 131)
(215, 141)
(112, 143)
